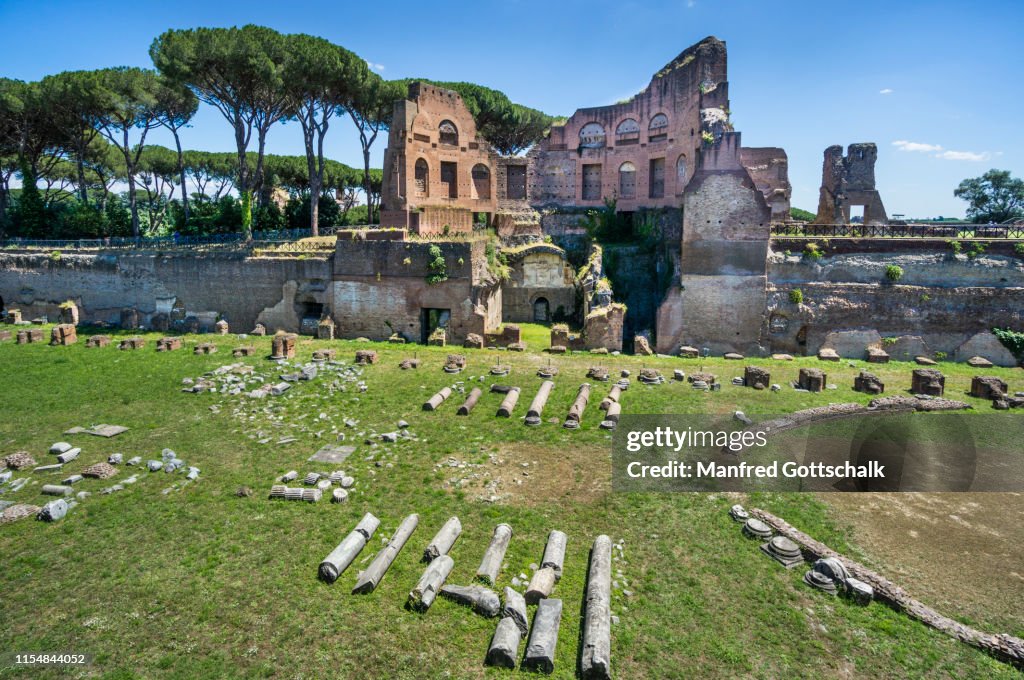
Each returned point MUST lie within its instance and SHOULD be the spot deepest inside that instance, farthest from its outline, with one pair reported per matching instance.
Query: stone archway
(541, 310)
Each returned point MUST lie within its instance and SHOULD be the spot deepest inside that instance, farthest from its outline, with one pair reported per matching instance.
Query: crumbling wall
(847, 181)
(206, 287)
(768, 167)
(539, 273)
(719, 301)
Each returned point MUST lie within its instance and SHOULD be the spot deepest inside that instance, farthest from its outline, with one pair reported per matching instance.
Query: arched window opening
(422, 178)
(448, 133)
(481, 181)
(628, 132)
(592, 136)
(680, 174)
(658, 128)
(627, 180)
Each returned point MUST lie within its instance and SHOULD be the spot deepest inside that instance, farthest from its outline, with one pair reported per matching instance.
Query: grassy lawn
(190, 581)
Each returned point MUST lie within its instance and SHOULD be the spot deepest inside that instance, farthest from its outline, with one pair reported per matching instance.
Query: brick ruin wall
(941, 302)
(370, 288)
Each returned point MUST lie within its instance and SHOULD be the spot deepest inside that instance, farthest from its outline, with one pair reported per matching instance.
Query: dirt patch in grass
(961, 553)
(532, 475)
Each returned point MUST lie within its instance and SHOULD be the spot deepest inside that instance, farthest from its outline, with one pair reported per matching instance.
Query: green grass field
(200, 583)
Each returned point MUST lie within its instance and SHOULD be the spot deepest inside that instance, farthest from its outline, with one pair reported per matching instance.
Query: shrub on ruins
(437, 272)
(812, 251)
(894, 272)
(1018, 248)
(1012, 340)
(796, 296)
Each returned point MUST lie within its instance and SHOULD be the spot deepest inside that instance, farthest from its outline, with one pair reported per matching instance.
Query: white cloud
(375, 66)
(964, 155)
(886, 90)
(904, 145)
(944, 154)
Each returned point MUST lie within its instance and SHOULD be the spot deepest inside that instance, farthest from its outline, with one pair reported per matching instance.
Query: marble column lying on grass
(430, 584)
(370, 578)
(595, 659)
(540, 650)
(438, 399)
(443, 540)
(341, 557)
(533, 414)
(490, 565)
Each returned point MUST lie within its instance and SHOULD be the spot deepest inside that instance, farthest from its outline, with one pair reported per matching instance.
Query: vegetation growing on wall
(1012, 340)
(437, 271)
(894, 272)
(796, 296)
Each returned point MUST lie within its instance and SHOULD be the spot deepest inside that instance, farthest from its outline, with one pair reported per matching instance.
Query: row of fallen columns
(512, 625)
(534, 414)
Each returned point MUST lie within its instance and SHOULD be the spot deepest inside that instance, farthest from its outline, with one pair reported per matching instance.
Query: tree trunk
(366, 183)
(181, 173)
(133, 205)
(244, 188)
(83, 191)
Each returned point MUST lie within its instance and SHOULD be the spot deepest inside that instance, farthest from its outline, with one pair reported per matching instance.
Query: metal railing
(170, 242)
(939, 230)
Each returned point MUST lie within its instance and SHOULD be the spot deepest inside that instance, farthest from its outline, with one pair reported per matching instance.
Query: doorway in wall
(431, 319)
(541, 310)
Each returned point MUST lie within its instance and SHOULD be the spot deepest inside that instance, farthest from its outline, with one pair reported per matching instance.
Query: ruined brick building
(670, 159)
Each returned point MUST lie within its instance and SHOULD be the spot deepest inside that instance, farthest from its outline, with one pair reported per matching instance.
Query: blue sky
(934, 84)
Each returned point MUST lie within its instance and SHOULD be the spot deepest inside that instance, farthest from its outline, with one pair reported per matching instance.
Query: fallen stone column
(484, 601)
(422, 596)
(490, 565)
(504, 649)
(613, 397)
(56, 490)
(508, 404)
(467, 406)
(613, 412)
(572, 420)
(341, 557)
(370, 578)
(541, 585)
(537, 405)
(597, 641)
(443, 540)
(515, 609)
(540, 650)
(438, 399)
(554, 552)
(1002, 646)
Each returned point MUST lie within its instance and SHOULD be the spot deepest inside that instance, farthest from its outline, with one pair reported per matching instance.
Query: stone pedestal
(756, 377)
(988, 387)
(877, 356)
(129, 319)
(132, 343)
(69, 313)
(63, 334)
(325, 329)
(221, 327)
(812, 380)
(928, 381)
(168, 344)
(283, 346)
(868, 383)
(98, 341)
(366, 356)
